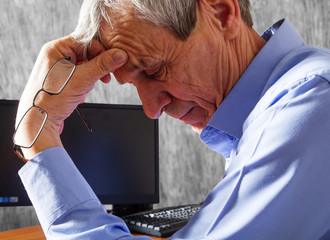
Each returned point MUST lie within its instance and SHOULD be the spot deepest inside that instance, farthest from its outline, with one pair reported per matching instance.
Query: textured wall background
(188, 170)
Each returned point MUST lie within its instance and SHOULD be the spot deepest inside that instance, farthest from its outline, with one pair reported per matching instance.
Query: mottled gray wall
(188, 170)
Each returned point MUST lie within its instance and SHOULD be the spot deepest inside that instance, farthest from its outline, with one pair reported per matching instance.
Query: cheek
(194, 70)
(186, 80)
(191, 84)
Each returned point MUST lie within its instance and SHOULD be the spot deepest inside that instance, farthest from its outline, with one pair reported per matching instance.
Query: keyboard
(161, 222)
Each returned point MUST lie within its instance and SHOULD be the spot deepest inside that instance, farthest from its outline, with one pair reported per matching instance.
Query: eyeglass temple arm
(89, 128)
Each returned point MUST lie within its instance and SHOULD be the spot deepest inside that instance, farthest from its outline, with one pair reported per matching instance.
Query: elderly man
(262, 102)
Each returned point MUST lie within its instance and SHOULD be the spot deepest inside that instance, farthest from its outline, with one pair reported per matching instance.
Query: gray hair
(177, 15)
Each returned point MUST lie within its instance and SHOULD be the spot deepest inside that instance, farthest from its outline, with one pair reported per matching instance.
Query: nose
(153, 99)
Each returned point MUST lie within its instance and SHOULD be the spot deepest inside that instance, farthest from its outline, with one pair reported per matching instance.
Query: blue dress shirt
(274, 130)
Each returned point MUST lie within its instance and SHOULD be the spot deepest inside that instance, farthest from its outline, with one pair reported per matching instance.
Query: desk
(34, 233)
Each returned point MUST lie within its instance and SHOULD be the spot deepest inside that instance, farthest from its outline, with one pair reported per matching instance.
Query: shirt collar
(241, 100)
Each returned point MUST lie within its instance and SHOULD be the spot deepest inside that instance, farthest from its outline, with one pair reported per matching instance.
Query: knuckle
(46, 47)
(49, 49)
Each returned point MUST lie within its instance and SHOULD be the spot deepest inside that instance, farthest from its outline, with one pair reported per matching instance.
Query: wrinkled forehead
(144, 42)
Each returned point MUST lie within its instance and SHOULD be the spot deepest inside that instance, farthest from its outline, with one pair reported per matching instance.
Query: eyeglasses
(27, 131)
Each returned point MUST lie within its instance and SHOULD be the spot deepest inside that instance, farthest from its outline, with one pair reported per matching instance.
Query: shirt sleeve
(66, 206)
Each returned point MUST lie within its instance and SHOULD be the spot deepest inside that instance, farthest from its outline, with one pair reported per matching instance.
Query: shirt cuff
(54, 185)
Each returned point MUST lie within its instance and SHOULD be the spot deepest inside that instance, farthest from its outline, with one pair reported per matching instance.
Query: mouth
(184, 115)
(195, 117)
(186, 118)
(192, 115)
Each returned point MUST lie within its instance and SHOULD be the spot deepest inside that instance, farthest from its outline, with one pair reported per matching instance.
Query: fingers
(95, 49)
(68, 46)
(99, 63)
(106, 78)
(100, 66)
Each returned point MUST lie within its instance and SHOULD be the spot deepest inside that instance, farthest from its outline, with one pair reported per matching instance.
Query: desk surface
(34, 233)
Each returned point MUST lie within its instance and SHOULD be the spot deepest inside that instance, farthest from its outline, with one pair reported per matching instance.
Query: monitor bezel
(132, 199)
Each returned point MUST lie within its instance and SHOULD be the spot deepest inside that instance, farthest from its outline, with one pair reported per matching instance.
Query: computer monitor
(119, 159)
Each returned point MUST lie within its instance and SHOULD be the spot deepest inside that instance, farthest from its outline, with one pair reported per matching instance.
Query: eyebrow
(130, 68)
(141, 61)
(133, 67)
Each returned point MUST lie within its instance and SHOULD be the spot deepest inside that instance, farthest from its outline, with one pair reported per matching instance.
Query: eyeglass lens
(58, 76)
(29, 127)
(34, 119)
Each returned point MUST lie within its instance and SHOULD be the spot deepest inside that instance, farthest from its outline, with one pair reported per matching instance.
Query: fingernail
(119, 56)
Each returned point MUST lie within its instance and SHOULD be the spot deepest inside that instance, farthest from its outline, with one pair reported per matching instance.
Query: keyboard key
(161, 222)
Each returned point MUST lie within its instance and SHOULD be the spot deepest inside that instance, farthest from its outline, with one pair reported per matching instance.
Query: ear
(228, 13)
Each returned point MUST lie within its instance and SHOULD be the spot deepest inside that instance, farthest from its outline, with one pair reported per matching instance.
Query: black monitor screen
(119, 159)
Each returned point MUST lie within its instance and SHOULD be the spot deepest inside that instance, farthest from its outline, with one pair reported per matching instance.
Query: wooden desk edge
(36, 233)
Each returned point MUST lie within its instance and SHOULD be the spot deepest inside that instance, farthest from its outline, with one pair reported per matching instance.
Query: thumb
(101, 65)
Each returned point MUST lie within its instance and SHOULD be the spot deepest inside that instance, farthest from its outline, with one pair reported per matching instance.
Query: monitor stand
(126, 209)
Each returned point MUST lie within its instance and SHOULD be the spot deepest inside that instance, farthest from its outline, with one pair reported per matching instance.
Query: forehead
(144, 42)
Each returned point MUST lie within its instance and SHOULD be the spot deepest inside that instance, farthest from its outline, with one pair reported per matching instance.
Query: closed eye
(156, 73)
